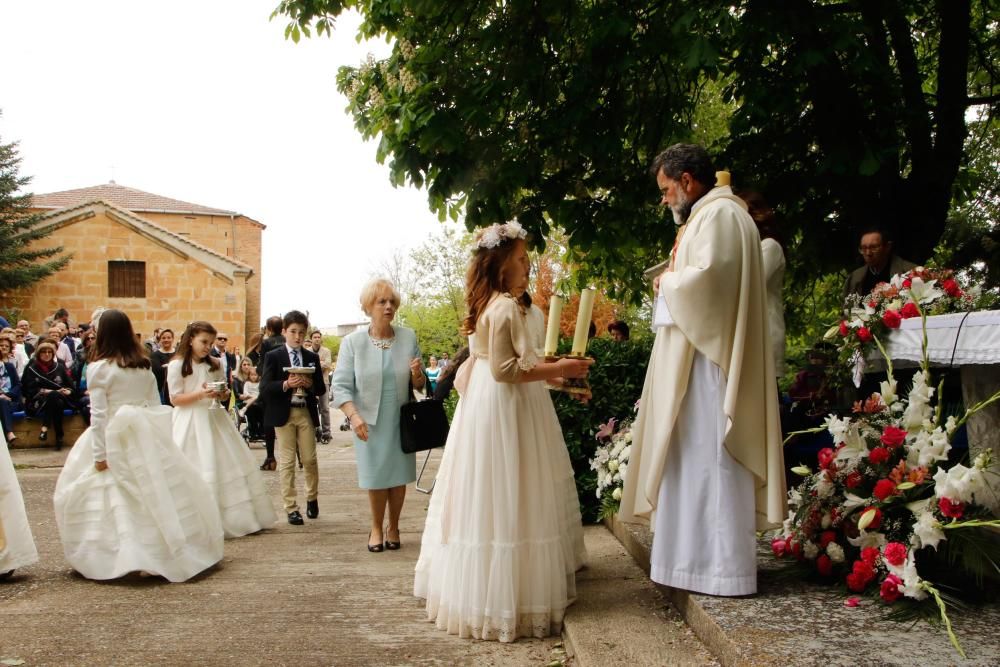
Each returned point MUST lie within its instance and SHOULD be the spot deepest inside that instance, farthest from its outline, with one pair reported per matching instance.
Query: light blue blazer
(358, 377)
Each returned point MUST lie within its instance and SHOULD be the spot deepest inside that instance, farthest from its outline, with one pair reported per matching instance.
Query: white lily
(924, 292)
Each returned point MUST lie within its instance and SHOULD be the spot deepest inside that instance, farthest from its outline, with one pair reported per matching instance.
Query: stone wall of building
(178, 289)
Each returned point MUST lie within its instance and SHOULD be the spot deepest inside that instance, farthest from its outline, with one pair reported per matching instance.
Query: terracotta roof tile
(123, 197)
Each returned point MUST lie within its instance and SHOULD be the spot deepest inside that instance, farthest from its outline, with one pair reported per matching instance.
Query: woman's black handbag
(422, 425)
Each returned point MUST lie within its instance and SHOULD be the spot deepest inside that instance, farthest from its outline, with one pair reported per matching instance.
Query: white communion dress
(17, 546)
(212, 443)
(150, 510)
(503, 537)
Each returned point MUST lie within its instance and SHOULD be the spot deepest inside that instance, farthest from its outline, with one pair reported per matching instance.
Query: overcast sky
(207, 102)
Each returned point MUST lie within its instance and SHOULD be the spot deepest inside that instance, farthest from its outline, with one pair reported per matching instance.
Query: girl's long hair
(186, 353)
(482, 278)
(116, 342)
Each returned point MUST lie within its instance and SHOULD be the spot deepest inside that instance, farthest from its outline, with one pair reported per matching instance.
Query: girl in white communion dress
(209, 438)
(503, 537)
(127, 500)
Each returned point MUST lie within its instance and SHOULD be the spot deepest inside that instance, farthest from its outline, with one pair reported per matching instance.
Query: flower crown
(496, 234)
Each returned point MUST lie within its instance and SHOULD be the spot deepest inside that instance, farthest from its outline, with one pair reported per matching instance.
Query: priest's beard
(682, 209)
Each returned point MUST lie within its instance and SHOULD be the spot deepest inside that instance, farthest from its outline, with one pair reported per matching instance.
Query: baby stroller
(248, 421)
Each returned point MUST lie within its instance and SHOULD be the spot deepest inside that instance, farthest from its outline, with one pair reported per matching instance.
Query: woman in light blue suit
(375, 368)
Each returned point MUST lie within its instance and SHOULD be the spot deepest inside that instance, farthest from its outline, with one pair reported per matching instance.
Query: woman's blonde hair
(373, 289)
(484, 277)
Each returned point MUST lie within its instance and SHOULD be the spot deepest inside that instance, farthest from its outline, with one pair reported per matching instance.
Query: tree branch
(988, 99)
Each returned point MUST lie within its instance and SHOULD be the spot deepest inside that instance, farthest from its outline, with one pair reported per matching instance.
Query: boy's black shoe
(312, 508)
(295, 518)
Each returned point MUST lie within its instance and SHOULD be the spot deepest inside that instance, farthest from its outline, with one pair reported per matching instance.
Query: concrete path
(310, 595)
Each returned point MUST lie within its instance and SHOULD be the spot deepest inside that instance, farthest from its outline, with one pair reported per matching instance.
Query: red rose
(826, 537)
(951, 288)
(884, 488)
(890, 589)
(870, 556)
(826, 457)
(891, 319)
(864, 335)
(856, 583)
(853, 480)
(907, 283)
(893, 436)
(909, 310)
(843, 328)
(779, 547)
(951, 508)
(824, 565)
(895, 553)
(878, 456)
(876, 522)
(796, 549)
(873, 304)
(863, 569)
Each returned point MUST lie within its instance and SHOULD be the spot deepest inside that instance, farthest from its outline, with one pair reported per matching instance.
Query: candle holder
(578, 386)
(299, 395)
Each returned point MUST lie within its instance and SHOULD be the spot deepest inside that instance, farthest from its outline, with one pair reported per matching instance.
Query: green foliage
(332, 343)
(616, 380)
(436, 326)
(844, 114)
(21, 265)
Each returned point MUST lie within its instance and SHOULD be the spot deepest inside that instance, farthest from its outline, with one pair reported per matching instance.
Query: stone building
(163, 261)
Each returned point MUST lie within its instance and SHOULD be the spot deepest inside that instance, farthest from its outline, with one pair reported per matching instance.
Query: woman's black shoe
(59, 443)
(392, 546)
(374, 548)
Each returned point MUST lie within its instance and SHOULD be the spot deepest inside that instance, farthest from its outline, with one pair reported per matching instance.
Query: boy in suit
(294, 420)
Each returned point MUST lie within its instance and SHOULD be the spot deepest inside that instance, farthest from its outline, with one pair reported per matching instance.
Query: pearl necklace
(381, 343)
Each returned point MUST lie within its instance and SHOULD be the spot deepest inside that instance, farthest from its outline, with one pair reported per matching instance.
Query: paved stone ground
(310, 595)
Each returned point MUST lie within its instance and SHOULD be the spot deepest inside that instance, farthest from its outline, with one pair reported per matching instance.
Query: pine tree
(21, 263)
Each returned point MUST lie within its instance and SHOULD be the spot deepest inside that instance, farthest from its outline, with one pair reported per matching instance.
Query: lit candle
(722, 178)
(583, 322)
(552, 330)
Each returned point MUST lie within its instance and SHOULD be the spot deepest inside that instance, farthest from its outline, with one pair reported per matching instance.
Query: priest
(706, 467)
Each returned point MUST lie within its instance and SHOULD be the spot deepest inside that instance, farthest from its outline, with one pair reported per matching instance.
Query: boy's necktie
(296, 398)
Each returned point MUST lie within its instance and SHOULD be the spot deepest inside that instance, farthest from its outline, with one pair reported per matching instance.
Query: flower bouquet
(919, 292)
(611, 463)
(888, 513)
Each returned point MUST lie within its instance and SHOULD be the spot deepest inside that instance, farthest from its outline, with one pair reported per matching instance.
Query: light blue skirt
(381, 461)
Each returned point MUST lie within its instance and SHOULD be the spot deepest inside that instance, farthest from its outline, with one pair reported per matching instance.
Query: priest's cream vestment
(706, 466)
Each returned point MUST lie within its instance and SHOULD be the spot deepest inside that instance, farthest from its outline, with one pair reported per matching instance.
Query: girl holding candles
(503, 537)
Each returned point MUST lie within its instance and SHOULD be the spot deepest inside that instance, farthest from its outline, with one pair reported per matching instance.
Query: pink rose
(890, 589)
(852, 602)
(878, 456)
(909, 310)
(779, 547)
(951, 508)
(826, 457)
(884, 488)
(895, 553)
(891, 319)
(893, 436)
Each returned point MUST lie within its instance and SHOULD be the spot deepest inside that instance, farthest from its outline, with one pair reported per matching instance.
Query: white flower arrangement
(496, 234)
(611, 463)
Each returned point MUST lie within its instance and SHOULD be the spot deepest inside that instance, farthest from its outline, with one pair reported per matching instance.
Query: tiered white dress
(503, 537)
(17, 547)
(150, 510)
(212, 443)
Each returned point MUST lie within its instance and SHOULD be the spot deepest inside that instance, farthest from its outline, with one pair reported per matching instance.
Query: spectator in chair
(48, 390)
(10, 391)
(881, 262)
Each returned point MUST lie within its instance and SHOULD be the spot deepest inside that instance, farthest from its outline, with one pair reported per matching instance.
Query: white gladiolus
(928, 447)
(919, 408)
(959, 483)
(866, 539)
(888, 391)
(613, 465)
(617, 493)
(927, 531)
(924, 293)
(911, 586)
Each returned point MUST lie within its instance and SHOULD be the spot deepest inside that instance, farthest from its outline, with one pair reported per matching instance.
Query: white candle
(552, 330)
(583, 322)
